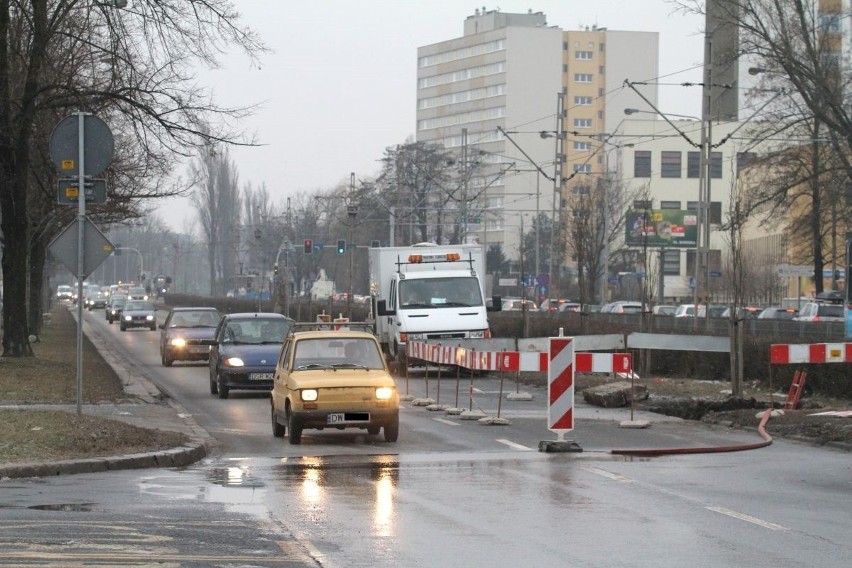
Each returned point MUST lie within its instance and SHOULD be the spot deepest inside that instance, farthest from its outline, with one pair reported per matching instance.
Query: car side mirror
(382, 308)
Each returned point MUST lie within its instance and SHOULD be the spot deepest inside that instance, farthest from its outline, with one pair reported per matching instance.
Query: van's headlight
(477, 334)
(234, 362)
(384, 393)
(309, 395)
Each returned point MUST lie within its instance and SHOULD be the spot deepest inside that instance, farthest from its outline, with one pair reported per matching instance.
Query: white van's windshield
(450, 292)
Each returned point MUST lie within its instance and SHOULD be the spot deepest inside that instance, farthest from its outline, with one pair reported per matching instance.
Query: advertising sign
(662, 228)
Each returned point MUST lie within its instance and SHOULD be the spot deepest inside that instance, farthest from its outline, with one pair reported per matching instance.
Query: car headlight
(234, 362)
(477, 334)
(384, 393)
(309, 395)
(149, 318)
(178, 342)
(127, 318)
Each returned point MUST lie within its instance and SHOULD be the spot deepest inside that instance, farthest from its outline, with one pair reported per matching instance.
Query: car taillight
(816, 318)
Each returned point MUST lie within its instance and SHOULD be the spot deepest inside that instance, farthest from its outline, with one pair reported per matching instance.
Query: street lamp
(629, 111)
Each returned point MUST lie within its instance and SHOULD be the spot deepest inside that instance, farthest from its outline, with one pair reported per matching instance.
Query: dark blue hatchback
(244, 351)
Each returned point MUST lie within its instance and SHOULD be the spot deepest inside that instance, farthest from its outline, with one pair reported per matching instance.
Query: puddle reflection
(321, 479)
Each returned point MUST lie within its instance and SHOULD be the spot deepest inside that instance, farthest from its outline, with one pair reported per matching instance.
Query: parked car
(183, 333)
(333, 379)
(818, 311)
(685, 311)
(745, 312)
(777, 312)
(138, 313)
(115, 307)
(244, 350)
(623, 307)
(711, 310)
(571, 307)
(516, 304)
(554, 304)
(64, 292)
(664, 310)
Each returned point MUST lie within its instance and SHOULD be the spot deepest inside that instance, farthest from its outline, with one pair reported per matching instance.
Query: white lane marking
(608, 474)
(515, 446)
(748, 518)
(445, 421)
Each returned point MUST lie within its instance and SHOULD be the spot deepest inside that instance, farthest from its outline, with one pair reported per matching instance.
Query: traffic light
(309, 246)
(341, 246)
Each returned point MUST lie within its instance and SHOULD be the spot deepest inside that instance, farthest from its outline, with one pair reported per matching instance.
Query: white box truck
(426, 291)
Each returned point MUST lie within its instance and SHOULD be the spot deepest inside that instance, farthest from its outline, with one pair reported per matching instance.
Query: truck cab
(432, 294)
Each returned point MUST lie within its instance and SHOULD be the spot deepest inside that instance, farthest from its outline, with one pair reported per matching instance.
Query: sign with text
(662, 228)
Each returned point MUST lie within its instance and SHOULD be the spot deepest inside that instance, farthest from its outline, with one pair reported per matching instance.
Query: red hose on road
(761, 429)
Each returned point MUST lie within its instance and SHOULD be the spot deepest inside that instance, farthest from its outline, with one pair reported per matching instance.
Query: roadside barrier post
(438, 394)
(560, 395)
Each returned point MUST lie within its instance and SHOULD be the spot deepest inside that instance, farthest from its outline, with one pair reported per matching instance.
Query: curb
(138, 386)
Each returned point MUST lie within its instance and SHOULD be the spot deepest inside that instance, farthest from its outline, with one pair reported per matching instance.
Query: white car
(817, 311)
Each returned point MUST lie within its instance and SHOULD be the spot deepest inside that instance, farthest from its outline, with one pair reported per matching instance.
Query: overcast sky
(340, 84)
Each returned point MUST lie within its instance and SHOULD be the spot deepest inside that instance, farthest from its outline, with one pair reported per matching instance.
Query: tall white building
(497, 90)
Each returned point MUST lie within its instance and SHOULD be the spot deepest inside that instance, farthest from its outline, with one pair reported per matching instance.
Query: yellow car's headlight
(309, 395)
(384, 393)
(178, 342)
(234, 362)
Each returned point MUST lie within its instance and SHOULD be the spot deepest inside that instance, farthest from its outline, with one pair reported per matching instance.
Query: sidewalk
(146, 407)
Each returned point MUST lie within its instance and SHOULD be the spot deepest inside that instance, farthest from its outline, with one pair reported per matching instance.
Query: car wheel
(214, 388)
(123, 327)
(110, 321)
(153, 327)
(295, 435)
(221, 387)
(373, 430)
(277, 429)
(167, 361)
(392, 430)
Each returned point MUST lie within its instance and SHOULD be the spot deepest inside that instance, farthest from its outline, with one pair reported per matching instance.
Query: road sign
(96, 191)
(96, 247)
(98, 145)
(560, 384)
(793, 271)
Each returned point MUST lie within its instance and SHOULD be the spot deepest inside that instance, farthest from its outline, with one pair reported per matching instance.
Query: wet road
(449, 493)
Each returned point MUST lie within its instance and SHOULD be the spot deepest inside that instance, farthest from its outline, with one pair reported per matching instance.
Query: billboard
(662, 228)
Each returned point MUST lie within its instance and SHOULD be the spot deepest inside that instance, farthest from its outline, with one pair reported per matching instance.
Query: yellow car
(333, 379)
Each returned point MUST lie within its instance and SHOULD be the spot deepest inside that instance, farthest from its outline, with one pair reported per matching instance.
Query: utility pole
(464, 186)
(557, 189)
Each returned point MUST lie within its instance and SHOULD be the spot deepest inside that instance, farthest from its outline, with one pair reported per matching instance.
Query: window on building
(716, 165)
(642, 163)
(670, 166)
(601, 70)
(582, 146)
(580, 190)
(583, 77)
(601, 46)
(582, 168)
(582, 55)
(582, 101)
(744, 160)
(671, 263)
(669, 204)
(564, 67)
(600, 114)
(600, 92)
(693, 165)
(582, 123)
(565, 46)
(715, 210)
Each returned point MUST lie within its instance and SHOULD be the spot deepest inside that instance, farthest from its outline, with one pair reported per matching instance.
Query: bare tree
(139, 78)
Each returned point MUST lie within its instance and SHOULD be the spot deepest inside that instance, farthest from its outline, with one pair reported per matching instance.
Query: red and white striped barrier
(787, 354)
(526, 361)
(560, 384)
